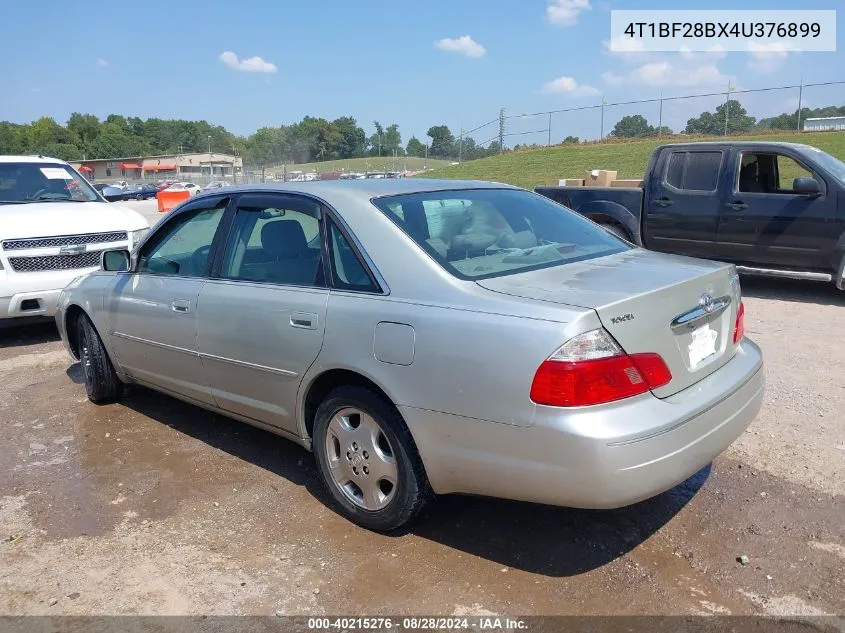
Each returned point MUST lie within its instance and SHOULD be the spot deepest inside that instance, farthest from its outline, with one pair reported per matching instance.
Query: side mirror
(806, 186)
(115, 261)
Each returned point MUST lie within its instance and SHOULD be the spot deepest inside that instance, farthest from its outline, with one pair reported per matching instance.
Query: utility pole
(461, 145)
(800, 95)
(502, 131)
(425, 161)
(660, 118)
(727, 106)
(550, 129)
(601, 129)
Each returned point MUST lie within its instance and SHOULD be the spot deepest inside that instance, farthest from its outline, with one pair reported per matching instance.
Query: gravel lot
(152, 506)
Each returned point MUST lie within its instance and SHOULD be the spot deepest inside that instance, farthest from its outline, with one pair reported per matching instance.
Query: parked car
(771, 208)
(163, 184)
(429, 336)
(185, 186)
(53, 228)
(141, 191)
(217, 184)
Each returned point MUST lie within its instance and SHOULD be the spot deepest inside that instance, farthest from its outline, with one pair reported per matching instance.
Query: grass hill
(371, 163)
(629, 158)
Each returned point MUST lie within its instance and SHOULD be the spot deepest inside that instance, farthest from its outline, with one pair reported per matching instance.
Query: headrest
(284, 237)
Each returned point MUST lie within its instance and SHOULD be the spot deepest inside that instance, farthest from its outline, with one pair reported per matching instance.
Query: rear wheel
(367, 460)
(101, 382)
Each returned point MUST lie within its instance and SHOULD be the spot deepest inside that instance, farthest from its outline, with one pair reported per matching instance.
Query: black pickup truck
(771, 208)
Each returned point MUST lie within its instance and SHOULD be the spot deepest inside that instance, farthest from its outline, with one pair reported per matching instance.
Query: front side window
(182, 246)
(275, 239)
(480, 233)
(24, 182)
(769, 173)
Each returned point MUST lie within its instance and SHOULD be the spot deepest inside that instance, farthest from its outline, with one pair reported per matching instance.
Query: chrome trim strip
(138, 339)
(243, 363)
(785, 274)
(700, 313)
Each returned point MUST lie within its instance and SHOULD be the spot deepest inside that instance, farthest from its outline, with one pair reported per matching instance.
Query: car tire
(101, 381)
(380, 439)
(617, 231)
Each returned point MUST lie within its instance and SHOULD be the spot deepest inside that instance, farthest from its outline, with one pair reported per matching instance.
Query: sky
(250, 64)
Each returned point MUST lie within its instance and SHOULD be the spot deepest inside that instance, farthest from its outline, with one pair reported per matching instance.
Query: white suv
(53, 227)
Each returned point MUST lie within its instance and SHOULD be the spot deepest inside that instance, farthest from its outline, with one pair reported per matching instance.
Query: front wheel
(101, 381)
(367, 460)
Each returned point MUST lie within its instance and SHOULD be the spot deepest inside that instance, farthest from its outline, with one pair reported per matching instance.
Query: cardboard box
(632, 182)
(570, 182)
(599, 178)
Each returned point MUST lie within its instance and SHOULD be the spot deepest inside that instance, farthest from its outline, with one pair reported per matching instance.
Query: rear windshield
(481, 233)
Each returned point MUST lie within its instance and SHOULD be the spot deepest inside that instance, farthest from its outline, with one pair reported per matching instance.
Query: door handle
(663, 202)
(304, 320)
(737, 206)
(180, 305)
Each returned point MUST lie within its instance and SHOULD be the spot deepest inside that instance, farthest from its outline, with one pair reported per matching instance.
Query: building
(821, 124)
(202, 166)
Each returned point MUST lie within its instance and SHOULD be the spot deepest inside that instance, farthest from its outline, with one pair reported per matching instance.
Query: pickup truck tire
(617, 231)
(101, 382)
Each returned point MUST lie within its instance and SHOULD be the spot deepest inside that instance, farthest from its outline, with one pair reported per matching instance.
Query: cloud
(568, 86)
(463, 45)
(767, 57)
(565, 12)
(251, 65)
(665, 73)
(102, 63)
(625, 47)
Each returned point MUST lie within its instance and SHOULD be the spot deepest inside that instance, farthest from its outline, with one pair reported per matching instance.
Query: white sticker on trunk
(703, 344)
(56, 173)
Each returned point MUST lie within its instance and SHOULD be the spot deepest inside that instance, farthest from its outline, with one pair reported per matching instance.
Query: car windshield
(834, 166)
(43, 182)
(481, 233)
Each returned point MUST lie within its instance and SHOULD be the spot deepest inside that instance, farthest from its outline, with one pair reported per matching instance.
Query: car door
(682, 203)
(763, 221)
(261, 317)
(152, 308)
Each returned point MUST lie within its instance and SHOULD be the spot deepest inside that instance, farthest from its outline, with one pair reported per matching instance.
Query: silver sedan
(426, 337)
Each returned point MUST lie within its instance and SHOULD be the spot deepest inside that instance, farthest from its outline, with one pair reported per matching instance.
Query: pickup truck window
(693, 171)
(769, 173)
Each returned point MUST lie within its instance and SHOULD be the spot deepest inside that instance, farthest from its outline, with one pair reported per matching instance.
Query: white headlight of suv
(137, 236)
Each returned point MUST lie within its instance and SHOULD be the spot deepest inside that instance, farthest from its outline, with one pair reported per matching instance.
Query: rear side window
(694, 171)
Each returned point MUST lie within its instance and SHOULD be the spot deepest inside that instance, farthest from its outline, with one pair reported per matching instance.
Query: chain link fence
(776, 110)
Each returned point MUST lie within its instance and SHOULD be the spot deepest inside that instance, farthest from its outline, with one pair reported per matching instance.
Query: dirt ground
(152, 506)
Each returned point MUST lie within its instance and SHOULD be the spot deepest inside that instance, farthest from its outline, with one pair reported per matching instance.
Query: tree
(663, 130)
(353, 140)
(713, 123)
(392, 141)
(632, 126)
(63, 151)
(571, 140)
(376, 139)
(85, 126)
(442, 141)
(415, 147)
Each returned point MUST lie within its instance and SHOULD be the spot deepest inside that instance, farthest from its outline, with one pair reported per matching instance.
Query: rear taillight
(591, 368)
(739, 326)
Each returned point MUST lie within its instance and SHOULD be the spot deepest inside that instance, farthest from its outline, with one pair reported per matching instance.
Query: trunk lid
(681, 308)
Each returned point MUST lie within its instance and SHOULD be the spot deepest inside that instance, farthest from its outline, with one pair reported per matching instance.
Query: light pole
(210, 160)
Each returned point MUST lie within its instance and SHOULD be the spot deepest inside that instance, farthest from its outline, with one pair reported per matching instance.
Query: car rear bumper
(594, 457)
